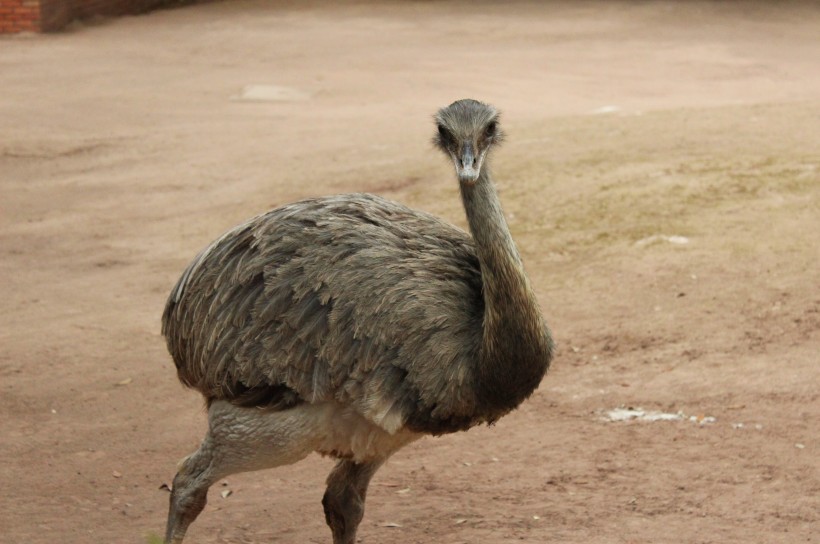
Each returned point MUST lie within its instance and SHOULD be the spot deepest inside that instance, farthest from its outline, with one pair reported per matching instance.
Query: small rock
(603, 110)
(270, 93)
(674, 239)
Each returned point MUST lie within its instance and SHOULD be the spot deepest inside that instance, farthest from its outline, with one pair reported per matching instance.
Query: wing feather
(350, 298)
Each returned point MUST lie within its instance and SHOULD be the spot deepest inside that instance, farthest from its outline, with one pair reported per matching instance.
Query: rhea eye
(490, 130)
(444, 135)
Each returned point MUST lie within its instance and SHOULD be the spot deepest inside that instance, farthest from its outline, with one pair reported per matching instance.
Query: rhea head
(466, 131)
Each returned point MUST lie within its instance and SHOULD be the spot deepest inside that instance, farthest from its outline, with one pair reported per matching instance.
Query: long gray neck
(516, 347)
(505, 284)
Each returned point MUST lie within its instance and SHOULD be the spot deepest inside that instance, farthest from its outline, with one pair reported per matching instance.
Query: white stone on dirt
(270, 93)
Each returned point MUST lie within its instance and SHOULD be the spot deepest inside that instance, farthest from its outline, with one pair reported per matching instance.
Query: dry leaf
(126, 381)
(403, 491)
(116, 474)
(390, 524)
(459, 521)
(226, 493)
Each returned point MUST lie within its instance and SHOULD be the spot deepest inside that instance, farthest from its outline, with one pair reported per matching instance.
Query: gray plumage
(368, 307)
(350, 298)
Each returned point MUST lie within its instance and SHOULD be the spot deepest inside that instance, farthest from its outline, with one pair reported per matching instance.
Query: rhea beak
(468, 166)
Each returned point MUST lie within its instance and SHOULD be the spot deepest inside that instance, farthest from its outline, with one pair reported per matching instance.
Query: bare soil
(126, 145)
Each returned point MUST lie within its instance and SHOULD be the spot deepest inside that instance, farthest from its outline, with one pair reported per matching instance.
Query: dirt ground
(661, 177)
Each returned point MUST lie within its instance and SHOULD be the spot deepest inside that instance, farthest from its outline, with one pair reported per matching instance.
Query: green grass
(152, 538)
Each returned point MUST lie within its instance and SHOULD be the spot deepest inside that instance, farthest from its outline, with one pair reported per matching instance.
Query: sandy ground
(126, 145)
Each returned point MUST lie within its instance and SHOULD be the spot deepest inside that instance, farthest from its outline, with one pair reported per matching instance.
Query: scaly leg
(344, 499)
(189, 494)
(238, 440)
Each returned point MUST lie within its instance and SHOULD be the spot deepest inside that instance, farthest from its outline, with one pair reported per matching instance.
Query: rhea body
(357, 325)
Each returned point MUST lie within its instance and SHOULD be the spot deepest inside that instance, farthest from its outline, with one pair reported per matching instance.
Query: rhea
(351, 326)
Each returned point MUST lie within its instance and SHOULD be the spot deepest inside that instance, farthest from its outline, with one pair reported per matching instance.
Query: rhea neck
(516, 347)
(502, 272)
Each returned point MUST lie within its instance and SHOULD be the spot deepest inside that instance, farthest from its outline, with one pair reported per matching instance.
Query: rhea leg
(238, 440)
(190, 492)
(344, 499)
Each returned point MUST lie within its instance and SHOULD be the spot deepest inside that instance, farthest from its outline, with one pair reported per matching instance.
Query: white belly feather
(254, 439)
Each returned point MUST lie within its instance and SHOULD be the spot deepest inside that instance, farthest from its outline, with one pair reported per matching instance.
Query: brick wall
(19, 15)
(51, 15)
